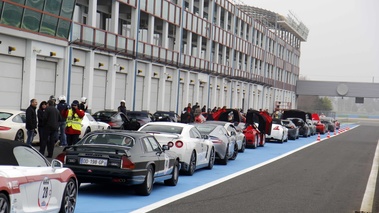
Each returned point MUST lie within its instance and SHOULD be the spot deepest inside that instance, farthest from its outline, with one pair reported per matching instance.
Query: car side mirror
(165, 147)
(233, 133)
(205, 136)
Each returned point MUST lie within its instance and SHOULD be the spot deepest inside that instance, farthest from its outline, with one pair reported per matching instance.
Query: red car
(258, 124)
(320, 127)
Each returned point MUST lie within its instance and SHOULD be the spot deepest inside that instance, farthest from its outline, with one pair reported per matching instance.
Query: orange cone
(328, 136)
(318, 137)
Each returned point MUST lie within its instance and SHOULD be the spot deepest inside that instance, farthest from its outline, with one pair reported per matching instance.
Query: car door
(43, 181)
(153, 153)
(200, 146)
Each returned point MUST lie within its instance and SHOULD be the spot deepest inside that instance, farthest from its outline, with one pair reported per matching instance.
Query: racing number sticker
(44, 193)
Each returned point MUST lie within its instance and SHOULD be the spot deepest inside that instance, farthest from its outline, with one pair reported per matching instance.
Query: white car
(29, 183)
(12, 125)
(194, 150)
(233, 132)
(278, 131)
(89, 124)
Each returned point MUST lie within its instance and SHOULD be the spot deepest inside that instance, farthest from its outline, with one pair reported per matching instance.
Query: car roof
(134, 134)
(6, 151)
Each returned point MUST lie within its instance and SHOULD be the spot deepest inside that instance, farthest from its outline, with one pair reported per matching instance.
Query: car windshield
(162, 114)
(5, 115)
(205, 129)
(108, 139)
(163, 128)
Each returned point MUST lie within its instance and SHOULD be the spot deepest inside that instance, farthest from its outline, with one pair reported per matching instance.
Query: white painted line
(213, 183)
(368, 198)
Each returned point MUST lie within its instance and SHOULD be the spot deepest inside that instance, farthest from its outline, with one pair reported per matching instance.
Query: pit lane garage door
(139, 93)
(10, 82)
(154, 95)
(168, 96)
(76, 89)
(45, 80)
(121, 85)
(191, 95)
(99, 90)
(201, 96)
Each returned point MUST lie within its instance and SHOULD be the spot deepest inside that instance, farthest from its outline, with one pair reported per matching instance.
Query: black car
(142, 117)
(166, 116)
(299, 118)
(304, 129)
(117, 120)
(124, 157)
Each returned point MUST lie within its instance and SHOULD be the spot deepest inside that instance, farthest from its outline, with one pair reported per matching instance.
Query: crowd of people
(54, 122)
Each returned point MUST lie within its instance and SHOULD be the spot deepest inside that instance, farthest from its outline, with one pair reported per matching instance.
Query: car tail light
(4, 128)
(61, 157)
(112, 124)
(276, 128)
(179, 144)
(216, 140)
(170, 144)
(126, 163)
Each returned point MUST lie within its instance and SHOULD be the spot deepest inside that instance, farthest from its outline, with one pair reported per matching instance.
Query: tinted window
(161, 128)
(205, 129)
(154, 144)
(194, 133)
(109, 139)
(4, 116)
(26, 156)
(21, 118)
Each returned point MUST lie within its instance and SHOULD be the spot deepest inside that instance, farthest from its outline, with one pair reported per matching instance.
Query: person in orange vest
(74, 117)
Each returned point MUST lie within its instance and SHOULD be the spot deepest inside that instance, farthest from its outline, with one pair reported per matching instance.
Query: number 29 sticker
(44, 193)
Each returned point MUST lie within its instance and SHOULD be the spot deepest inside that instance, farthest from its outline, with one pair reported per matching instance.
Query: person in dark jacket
(41, 124)
(62, 107)
(51, 118)
(31, 120)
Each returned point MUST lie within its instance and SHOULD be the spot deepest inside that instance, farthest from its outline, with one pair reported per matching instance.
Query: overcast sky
(343, 39)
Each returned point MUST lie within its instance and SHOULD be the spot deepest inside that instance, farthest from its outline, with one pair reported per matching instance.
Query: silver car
(225, 146)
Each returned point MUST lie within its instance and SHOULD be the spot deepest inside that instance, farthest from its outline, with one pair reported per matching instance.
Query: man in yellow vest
(74, 117)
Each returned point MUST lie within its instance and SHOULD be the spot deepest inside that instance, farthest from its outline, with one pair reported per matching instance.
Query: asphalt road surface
(330, 176)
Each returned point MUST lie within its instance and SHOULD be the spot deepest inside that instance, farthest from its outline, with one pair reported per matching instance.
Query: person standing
(74, 117)
(62, 106)
(41, 124)
(83, 104)
(122, 107)
(31, 120)
(51, 118)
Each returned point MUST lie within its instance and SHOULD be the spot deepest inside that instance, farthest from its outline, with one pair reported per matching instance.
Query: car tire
(147, 186)
(256, 142)
(264, 141)
(192, 165)
(20, 136)
(175, 175)
(4, 203)
(69, 197)
(226, 157)
(235, 153)
(243, 146)
(212, 158)
(88, 130)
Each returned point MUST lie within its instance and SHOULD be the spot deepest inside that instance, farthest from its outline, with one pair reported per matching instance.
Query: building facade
(155, 54)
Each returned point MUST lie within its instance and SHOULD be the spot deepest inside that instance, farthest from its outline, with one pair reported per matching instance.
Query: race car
(30, 183)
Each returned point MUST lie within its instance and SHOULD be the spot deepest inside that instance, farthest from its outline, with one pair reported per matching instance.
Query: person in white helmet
(122, 107)
(83, 104)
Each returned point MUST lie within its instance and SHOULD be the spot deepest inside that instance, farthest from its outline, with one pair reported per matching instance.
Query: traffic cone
(328, 136)
(318, 137)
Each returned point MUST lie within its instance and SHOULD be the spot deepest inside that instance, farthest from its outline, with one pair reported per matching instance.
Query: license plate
(93, 161)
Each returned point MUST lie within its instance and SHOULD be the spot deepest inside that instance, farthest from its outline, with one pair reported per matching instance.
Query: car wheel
(69, 197)
(147, 186)
(20, 136)
(235, 153)
(175, 175)
(212, 158)
(263, 141)
(88, 130)
(282, 139)
(226, 157)
(243, 147)
(256, 142)
(4, 203)
(192, 164)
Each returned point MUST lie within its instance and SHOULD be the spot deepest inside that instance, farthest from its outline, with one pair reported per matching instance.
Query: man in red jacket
(74, 117)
